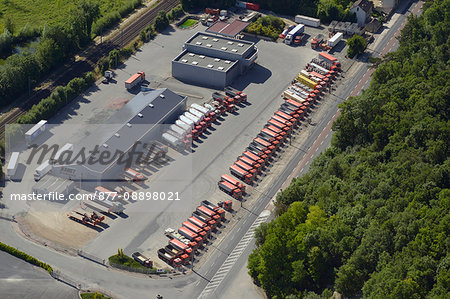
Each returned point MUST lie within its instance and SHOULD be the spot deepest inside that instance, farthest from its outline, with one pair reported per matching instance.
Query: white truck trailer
(308, 21)
(335, 39)
(12, 164)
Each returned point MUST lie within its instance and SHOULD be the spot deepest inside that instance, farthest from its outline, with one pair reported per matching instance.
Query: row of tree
(372, 216)
(58, 42)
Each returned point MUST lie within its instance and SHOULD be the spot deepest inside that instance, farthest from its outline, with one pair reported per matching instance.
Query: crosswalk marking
(233, 257)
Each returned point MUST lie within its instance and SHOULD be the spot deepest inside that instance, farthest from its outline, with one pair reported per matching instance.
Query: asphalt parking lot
(19, 279)
(197, 173)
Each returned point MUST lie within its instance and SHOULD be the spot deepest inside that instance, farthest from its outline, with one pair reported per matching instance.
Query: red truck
(289, 118)
(196, 230)
(175, 252)
(211, 222)
(177, 244)
(201, 224)
(230, 189)
(266, 144)
(214, 208)
(251, 163)
(246, 167)
(134, 80)
(230, 91)
(242, 174)
(188, 234)
(227, 178)
(134, 175)
(255, 157)
(169, 257)
(280, 126)
(209, 213)
(270, 135)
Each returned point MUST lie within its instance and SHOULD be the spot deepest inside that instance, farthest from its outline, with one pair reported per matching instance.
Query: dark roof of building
(228, 29)
(365, 5)
(138, 117)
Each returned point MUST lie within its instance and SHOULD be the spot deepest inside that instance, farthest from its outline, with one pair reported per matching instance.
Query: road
(235, 247)
(317, 142)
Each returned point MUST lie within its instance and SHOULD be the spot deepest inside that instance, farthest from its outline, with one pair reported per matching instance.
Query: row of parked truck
(303, 94)
(194, 234)
(198, 118)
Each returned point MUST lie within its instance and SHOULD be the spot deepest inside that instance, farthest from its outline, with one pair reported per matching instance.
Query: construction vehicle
(133, 175)
(242, 174)
(190, 235)
(143, 260)
(169, 258)
(214, 208)
(196, 230)
(317, 41)
(134, 80)
(211, 222)
(232, 92)
(227, 178)
(201, 224)
(230, 189)
(293, 33)
(209, 213)
(227, 205)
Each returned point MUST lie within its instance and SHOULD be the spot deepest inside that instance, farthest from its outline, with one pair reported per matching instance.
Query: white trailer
(192, 117)
(183, 125)
(293, 33)
(12, 164)
(112, 206)
(188, 121)
(35, 131)
(178, 130)
(335, 39)
(202, 109)
(172, 140)
(197, 113)
(308, 21)
(42, 170)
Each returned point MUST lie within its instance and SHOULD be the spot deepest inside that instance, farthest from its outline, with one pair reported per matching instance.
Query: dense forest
(372, 216)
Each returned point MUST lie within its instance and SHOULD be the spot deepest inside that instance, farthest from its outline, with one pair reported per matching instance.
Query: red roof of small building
(228, 29)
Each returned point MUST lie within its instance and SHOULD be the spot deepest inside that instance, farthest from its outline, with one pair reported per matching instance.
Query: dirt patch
(118, 103)
(57, 228)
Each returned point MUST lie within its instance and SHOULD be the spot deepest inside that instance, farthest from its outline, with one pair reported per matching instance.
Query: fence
(67, 280)
(7, 216)
(138, 270)
(91, 257)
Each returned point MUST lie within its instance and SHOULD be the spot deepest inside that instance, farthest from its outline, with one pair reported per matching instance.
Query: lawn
(39, 12)
(188, 23)
(126, 261)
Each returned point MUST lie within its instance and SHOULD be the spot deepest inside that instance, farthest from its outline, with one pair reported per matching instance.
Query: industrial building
(137, 123)
(213, 61)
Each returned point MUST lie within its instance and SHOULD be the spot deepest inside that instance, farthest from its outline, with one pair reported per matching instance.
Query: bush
(6, 40)
(27, 258)
(103, 64)
(105, 22)
(26, 33)
(269, 26)
(126, 52)
(114, 58)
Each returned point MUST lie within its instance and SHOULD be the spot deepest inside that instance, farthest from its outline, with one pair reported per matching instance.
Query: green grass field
(188, 23)
(39, 12)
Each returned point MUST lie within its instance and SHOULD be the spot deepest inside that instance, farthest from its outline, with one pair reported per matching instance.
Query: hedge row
(62, 95)
(27, 258)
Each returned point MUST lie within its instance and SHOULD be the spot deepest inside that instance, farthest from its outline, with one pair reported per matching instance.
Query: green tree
(356, 45)
(9, 25)
(161, 21)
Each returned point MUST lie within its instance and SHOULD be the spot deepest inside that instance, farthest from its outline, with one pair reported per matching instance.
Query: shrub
(269, 26)
(103, 64)
(105, 22)
(126, 52)
(356, 45)
(27, 258)
(161, 21)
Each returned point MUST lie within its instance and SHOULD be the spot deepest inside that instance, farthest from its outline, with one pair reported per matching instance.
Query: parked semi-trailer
(254, 157)
(12, 164)
(269, 135)
(98, 207)
(242, 174)
(177, 252)
(35, 131)
(204, 210)
(173, 234)
(134, 80)
(317, 41)
(214, 208)
(230, 91)
(251, 163)
(202, 217)
(227, 178)
(42, 170)
(306, 81)
(308, 21)
(169, 258)
(196, 229)
(230, 189)
(203, 225)
(293, 33)
(191, 235)
(329, 58)
(181, 246)
(335, 39)
(246, 167)
(143, 260)
(266, 144)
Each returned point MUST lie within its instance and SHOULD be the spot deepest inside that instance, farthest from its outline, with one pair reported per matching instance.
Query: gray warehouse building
(213, 61)
(137, 123)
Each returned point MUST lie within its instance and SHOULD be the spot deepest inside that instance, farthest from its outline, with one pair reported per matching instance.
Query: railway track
(76, 68)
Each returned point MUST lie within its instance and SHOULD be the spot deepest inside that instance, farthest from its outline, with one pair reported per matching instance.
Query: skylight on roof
(221, 68)
(194, 62)
(210, 65)
(140, 115)
(117, 135)
(151, 105)
(162, 96)
(128, 125)
(234, 50)
(209, 45)
(240, 45)
(216, 59)
(202, 56)
(191, 54)
(230, 43)
(205, 37)
(215, 39)
(198, 43)
(224, 48)
(184, 60)
(227, 61)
